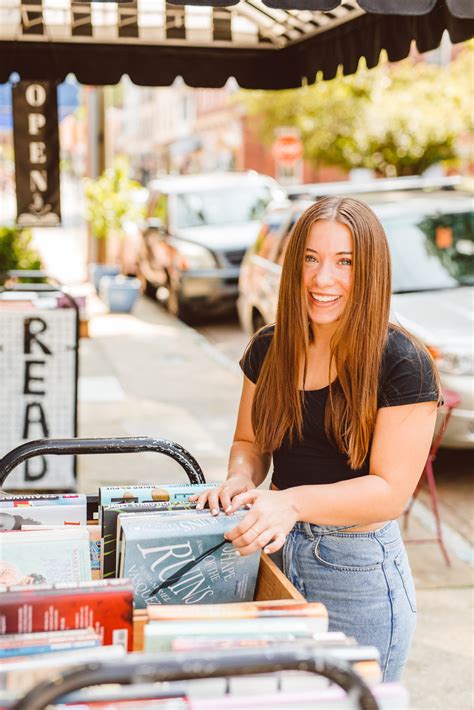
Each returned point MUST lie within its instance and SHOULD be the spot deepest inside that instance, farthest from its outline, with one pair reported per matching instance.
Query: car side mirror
(156, 224)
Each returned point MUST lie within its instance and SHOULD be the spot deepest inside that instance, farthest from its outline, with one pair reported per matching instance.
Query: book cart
(138, 667)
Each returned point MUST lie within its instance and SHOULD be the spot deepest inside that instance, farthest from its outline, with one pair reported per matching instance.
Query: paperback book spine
(105, 607)
(160, 637)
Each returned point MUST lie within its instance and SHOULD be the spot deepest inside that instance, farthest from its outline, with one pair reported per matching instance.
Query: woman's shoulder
(255, 352)
(408, 372)
(400, 343)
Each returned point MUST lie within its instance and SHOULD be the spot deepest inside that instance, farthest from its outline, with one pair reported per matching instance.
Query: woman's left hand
(266, 525)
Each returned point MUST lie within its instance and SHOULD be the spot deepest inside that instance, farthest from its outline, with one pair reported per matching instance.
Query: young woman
(345, 403)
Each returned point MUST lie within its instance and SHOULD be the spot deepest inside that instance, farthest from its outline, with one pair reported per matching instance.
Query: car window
(234, 204)
(280, 255)
(431, 252)
(268, 238)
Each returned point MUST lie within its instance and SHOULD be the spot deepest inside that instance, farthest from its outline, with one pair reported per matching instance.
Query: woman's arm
(400, 447)
(247, 466)
(245, 458)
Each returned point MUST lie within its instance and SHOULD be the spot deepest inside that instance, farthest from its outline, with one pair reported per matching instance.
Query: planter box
(97, 271)
(119, 293)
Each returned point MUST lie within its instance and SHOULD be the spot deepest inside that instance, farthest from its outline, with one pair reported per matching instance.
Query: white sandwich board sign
(38, 390)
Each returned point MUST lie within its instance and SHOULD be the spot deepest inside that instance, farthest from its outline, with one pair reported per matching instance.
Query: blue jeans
(365, 582)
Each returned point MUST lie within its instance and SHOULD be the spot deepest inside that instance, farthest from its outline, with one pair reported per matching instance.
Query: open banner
(36, 145)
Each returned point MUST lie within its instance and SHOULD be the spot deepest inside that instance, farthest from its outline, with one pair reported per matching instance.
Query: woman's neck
(322, 334)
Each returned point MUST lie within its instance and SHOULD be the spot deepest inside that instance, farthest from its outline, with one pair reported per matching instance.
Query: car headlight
(455, 363)
(195, 257)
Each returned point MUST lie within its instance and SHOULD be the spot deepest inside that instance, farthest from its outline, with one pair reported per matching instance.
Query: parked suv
(430, 228)
(196, 232)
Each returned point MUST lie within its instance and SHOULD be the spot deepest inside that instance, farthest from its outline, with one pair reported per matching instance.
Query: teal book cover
(110, 514)
(185, 559)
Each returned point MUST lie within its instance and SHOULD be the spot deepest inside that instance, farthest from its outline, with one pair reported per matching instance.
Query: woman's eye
(346, 262)
(310, 259)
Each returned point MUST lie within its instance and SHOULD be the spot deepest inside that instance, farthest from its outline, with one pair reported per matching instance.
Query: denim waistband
(312, 531)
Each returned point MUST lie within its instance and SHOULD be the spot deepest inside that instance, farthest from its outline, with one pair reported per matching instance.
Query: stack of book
(173, 553)
(44, 539)
(69, 593)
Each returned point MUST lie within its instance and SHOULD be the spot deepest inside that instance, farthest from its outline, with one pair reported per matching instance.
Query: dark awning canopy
(264, 44)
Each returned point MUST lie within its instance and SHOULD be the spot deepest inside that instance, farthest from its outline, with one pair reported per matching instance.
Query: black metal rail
(120, 445)
(147, 668)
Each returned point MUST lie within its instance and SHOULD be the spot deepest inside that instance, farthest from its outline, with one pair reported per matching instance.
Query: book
(160, 636)
(389, 696)
(243, 610)
(152, 493)
(200, 643)
(25, 673)
(19, 510)
(95, 543)
(104, 605)
(108, 528)
(45, 556)
(151, 514)
(14, 645)
(184, 558)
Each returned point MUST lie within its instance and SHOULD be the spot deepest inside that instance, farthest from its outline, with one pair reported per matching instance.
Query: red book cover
(104, 605)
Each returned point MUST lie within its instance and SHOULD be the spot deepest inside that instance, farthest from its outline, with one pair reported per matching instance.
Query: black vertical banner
(36, 144)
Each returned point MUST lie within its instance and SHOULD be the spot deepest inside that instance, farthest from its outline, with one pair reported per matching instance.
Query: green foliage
(16, 251)
(397, 119)
(456, 253)
(110, 200)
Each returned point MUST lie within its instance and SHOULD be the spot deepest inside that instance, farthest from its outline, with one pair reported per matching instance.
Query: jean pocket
(348, 554)
(402, 565)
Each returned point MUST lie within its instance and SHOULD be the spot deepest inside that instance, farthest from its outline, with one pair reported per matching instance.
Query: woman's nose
(324, 276)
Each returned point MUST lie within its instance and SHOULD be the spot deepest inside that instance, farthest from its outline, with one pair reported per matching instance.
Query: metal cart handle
(148, 668)
(120, 445)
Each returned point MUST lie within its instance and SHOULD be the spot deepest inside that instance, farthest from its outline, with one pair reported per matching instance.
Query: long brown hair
(357, 345)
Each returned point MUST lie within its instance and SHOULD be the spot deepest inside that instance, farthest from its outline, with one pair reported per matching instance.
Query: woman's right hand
(222, 496)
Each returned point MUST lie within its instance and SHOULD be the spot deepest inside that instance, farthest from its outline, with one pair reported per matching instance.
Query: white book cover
(22, 675)
(45, 556)
(18, 511)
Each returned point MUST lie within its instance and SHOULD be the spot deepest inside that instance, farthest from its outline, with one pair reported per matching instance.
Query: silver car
(431, 236)
(196, 232)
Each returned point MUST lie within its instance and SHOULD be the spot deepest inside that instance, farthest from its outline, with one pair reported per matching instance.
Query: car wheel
(176, 307)
(148, 289)
(258, 321)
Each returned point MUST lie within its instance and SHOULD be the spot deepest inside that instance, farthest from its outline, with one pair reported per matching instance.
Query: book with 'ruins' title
(185, 559)
(108, 528)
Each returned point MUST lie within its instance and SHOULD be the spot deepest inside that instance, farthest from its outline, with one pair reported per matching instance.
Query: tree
(397, 119)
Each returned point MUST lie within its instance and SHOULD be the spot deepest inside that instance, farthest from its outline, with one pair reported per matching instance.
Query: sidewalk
(148, 374)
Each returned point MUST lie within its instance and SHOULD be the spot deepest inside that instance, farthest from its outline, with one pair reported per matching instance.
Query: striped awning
(262, 43)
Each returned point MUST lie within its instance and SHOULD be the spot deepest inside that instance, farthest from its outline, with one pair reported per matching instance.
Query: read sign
(38, 372)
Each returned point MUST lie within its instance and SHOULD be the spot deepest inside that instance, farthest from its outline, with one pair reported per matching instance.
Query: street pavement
(148, 374)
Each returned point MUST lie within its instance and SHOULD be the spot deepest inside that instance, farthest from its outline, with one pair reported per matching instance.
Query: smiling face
(327, 272)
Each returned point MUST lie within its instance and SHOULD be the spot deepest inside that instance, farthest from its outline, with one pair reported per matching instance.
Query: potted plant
(16, 251)
(110, 202)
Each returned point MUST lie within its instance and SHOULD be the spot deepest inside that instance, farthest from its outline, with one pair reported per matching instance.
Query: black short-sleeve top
(406, 377)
